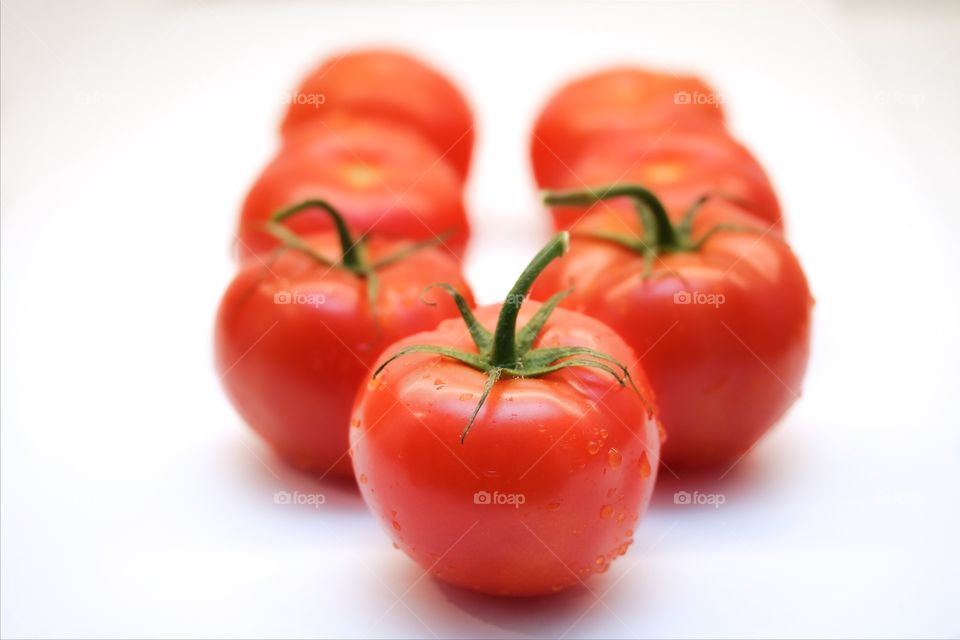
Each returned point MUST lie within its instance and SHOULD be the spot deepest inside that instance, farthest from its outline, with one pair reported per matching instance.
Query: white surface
(135, 502)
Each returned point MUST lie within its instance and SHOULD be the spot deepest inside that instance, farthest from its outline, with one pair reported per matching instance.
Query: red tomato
(558, 466)
(388, 84)
(679, 166)
(295, 337)
(723, 327)
(384, 179)
(618, 99)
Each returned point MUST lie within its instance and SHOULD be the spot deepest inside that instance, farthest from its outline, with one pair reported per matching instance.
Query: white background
(135, 502)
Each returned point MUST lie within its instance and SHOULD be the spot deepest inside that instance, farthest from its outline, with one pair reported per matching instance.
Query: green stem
(644, 199)
(351, 249)
(505, 335)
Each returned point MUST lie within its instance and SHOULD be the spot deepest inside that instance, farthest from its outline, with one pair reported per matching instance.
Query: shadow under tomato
(549, 616)
(262, 469)
(770, 464)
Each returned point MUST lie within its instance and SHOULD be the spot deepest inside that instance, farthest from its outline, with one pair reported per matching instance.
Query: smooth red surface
(723, 373)
(615, 100)
(292, 370)
(390, 85)
(580, 449)
(381, 178)
(678, 165)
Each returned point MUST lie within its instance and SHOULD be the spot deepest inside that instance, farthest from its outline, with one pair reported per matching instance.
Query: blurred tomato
(296, 337)
(618, 99)
(384, 179)
(391, 85)
(679, 166)
(719, 314)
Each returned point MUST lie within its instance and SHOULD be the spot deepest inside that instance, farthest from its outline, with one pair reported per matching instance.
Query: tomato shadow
(757, 474)
(581, 607)
(260, 470)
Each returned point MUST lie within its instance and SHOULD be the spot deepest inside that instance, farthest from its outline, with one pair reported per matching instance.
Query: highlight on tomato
(616, 100)
(678, 165)
(717, 305)
(388, 85)
(386, 181)
(298, 332)
(512, 451)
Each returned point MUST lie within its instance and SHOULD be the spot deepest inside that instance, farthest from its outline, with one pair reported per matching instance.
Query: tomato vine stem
(511, 353)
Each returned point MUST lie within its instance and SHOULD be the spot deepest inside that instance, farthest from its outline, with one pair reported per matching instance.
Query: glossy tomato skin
(390, 85)
(616, 100)
(678, 165)
(549, 484)
(294, 339)
(384, 179)
(724, 333)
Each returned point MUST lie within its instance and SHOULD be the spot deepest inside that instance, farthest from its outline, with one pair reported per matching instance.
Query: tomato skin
(615, 100)
(384, 179)
(679, 166)
(292, 370)
(394, 86)
(723, 373)
(580, 449)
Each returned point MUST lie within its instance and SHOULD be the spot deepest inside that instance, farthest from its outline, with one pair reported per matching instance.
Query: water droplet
(603, 433)
(599, 560)
(614, 458)
(396, 546)
(644, 465)
(621, 518)
(438, 383)
(541, 428)
(363, 478)
(553, 506)
(593, 447)
(629, 533)
(466, 396)
(355, 423)
(396, 525)
(374, 383)
(606, 511)
(662, 433)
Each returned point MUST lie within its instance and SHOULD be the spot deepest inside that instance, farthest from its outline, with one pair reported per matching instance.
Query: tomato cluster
(511, 449)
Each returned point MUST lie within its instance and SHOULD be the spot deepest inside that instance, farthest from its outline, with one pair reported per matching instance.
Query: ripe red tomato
(392, 85)
(384, 179)
(296, 336)
(618, 99)
(557, 468)
(678, 165)
(723, 326)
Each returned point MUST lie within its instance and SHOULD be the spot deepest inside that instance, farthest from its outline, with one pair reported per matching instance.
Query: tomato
(613, 100)
(500, 466)
(720, 314)
(392, 85)
(678, 165)
(296, 334)
(384, 179)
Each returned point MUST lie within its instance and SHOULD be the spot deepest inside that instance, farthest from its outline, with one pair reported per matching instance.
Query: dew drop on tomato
(614, 458)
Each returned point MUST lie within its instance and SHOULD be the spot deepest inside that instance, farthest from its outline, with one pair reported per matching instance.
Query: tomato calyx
(509, 352)
(352, 251)
(660, 234)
